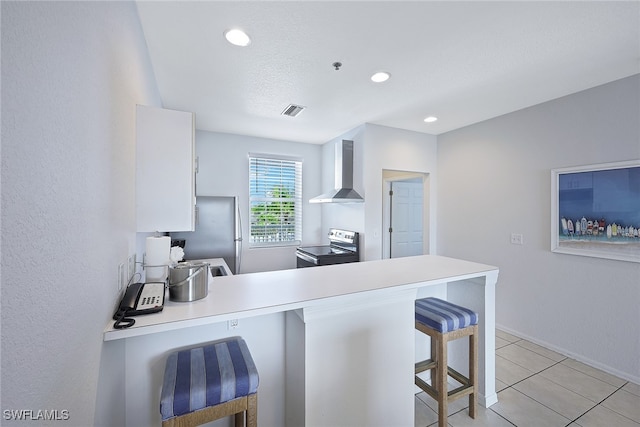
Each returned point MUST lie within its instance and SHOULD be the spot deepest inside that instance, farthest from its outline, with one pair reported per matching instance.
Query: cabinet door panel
(165, 182)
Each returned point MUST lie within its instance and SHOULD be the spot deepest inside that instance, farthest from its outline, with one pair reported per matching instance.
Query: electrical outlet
(132, 267)
(233, 324)
(121, 277)
(517, 239)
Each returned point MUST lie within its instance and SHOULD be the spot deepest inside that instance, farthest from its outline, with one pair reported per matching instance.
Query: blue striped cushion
(206, 376)
(444, 316)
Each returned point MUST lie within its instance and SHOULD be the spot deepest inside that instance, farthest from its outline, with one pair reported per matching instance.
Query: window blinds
(275, 200)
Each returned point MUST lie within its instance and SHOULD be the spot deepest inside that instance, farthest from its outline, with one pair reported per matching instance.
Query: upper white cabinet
(165, 178)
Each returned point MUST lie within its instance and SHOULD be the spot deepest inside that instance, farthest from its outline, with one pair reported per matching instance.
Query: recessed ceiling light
(430, 119)
(381, 76)
(237, 37)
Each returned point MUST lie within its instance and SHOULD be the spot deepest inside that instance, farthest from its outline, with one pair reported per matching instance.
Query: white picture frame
(584, 196)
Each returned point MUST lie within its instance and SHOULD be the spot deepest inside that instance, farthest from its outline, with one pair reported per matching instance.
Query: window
(275, 200)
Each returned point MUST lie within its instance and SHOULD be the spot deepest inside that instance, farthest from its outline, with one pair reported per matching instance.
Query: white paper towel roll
(157, 258)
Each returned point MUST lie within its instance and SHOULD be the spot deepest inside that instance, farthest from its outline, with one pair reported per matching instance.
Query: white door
(405, 232)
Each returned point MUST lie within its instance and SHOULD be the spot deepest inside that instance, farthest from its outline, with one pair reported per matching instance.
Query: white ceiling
(463, 62)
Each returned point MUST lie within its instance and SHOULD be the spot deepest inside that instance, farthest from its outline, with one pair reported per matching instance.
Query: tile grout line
(535, 373)
(564, 359)
(540, 403)
(570, 367)
(507, 420)
(534, 352)
(530, 376)
(526, 378)
(596, 404)
(599, 403)
(602, 401)
(594, 377)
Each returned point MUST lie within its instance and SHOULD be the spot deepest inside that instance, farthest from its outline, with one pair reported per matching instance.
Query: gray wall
(495, 179)
(72, 73)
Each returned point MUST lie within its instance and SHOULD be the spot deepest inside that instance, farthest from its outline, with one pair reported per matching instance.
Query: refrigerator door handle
(239, 240)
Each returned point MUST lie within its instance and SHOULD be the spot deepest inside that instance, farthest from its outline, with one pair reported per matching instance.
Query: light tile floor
(539, 387)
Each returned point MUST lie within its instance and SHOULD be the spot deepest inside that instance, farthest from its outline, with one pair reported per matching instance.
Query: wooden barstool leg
(434, 356)
(239, 419)
(441, 384)
(473, 371)
(252, 410)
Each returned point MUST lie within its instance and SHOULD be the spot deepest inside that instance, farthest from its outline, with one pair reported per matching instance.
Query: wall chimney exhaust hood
(344, 192)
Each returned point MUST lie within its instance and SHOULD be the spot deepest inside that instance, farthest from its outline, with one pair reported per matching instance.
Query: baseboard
(580, 358)
(487, 401)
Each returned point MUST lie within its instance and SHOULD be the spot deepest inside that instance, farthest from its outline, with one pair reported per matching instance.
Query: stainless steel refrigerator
(218, 232)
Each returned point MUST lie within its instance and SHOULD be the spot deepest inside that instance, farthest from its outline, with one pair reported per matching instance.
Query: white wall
(224, 171)
(377, 148)
(399, 150)
(72, 73)
(346, 216)
(495, 179)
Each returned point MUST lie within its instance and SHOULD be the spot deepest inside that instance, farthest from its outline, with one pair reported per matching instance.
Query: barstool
(444, 322)
(206, 383)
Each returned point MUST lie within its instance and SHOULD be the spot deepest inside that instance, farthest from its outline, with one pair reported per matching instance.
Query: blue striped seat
(207, 376)
(443, 316)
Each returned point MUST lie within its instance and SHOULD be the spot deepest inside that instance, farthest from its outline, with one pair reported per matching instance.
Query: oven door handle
(306, 257)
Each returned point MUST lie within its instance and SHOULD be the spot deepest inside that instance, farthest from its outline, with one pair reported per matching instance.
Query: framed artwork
(595, 210)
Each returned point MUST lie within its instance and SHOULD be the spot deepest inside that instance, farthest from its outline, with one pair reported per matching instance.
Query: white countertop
(247, 295)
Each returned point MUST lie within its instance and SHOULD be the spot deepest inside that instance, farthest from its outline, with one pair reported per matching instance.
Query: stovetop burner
(343, 247)
(324, 250)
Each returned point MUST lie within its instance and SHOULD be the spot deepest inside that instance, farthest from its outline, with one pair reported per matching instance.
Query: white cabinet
(165, 177)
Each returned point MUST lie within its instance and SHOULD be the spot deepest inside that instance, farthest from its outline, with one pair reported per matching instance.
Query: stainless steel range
(344, 246)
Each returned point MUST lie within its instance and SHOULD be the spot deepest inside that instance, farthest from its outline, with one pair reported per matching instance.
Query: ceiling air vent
(292, 110)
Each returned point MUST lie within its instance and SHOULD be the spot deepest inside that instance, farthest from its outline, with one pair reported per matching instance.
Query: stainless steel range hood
(344, 192)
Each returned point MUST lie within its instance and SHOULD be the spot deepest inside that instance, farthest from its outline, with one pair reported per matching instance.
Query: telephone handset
(139, 298)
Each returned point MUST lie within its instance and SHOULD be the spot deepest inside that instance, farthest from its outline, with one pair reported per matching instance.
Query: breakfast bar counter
(343, 334)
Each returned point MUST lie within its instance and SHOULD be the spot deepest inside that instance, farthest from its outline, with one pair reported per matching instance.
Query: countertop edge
(110, 334)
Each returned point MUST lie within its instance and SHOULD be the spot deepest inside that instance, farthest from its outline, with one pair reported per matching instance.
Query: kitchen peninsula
(334, 345)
